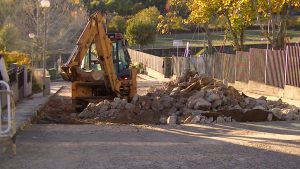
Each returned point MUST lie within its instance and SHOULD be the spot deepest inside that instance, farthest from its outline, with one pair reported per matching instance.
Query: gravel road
(231, 145)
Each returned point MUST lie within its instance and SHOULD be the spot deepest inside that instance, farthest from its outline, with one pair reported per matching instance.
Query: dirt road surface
(109, 146)
(231, 145)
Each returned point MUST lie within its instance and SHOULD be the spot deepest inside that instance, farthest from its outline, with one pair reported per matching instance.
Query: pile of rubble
(191, 99)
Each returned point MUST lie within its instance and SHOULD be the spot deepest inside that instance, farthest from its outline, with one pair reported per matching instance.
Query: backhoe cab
(99, 67)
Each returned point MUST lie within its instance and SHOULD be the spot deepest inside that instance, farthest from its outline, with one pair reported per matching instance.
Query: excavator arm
(94, 32)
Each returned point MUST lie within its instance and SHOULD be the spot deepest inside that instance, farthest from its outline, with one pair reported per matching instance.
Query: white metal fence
(7, 115)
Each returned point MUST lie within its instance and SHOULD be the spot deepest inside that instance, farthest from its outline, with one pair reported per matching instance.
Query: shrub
(16, 57)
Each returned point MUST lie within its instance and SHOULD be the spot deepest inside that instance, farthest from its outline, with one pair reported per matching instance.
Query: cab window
(90, 61)
(123, 61)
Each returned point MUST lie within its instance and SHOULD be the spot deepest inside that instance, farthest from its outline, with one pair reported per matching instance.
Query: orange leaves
(16, 57)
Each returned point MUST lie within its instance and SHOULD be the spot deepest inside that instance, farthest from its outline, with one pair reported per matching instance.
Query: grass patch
(199, 39)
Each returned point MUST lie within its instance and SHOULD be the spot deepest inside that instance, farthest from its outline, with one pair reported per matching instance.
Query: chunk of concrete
(220, 119)
(172, 119)
(270, 117)
(129, 106)
(277, 112)
(213, 97)
(209, 120)
(196, 119)
(163, 120)
(202, 104)
(227, 119)
(259, 108)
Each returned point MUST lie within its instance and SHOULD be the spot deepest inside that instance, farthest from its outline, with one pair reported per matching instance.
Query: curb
(28, 121)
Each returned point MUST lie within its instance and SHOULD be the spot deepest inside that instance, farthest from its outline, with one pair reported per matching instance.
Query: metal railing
(9, 130)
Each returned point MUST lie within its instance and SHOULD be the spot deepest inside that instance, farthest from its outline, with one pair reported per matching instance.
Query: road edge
(29, 120)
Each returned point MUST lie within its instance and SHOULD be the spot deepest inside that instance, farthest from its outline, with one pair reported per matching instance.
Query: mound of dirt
(190, 99)
(58, 109)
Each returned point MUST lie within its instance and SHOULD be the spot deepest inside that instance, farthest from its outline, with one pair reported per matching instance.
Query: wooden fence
(242, 66)
(271, 67)
(154, 62)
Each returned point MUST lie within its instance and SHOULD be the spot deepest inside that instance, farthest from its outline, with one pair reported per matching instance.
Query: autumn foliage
(16, 57)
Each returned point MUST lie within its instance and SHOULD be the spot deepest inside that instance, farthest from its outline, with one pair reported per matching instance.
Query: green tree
(9, 37)
(6, 6)
(138, 7)
(140, 31)
(122, 7)
(117, 24)
(151, 13)
(159, 4)
(92, 5)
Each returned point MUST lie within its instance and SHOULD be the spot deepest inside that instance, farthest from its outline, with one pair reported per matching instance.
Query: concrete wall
(27, 82)
(288, 92)
(291, 92)
(37, 74)
(258, 88)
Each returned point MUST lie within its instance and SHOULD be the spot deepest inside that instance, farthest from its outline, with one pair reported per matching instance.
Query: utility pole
(45, 4)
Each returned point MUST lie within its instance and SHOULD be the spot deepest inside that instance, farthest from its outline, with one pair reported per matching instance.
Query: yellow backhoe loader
(99, 67)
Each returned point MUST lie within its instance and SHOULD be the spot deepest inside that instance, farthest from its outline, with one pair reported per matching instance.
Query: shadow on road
(232, 145)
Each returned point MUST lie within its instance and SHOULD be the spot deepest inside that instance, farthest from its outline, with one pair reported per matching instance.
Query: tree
(278, 12)
(238, 15)
(178, 7)
(121, 7)
(170, 23)
(140, 32)
(151, 13)
(65, 21)
(9, 37)
(92, 5)
(177, 12)
(141, 29)
(5, 8)
(159, 4)
(176, 19)
(117, 24)
(138, 7)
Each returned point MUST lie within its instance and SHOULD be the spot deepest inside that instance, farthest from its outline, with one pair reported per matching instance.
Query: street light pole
(44, 54)
(44, 4)
(38, 50)
(31, 36)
